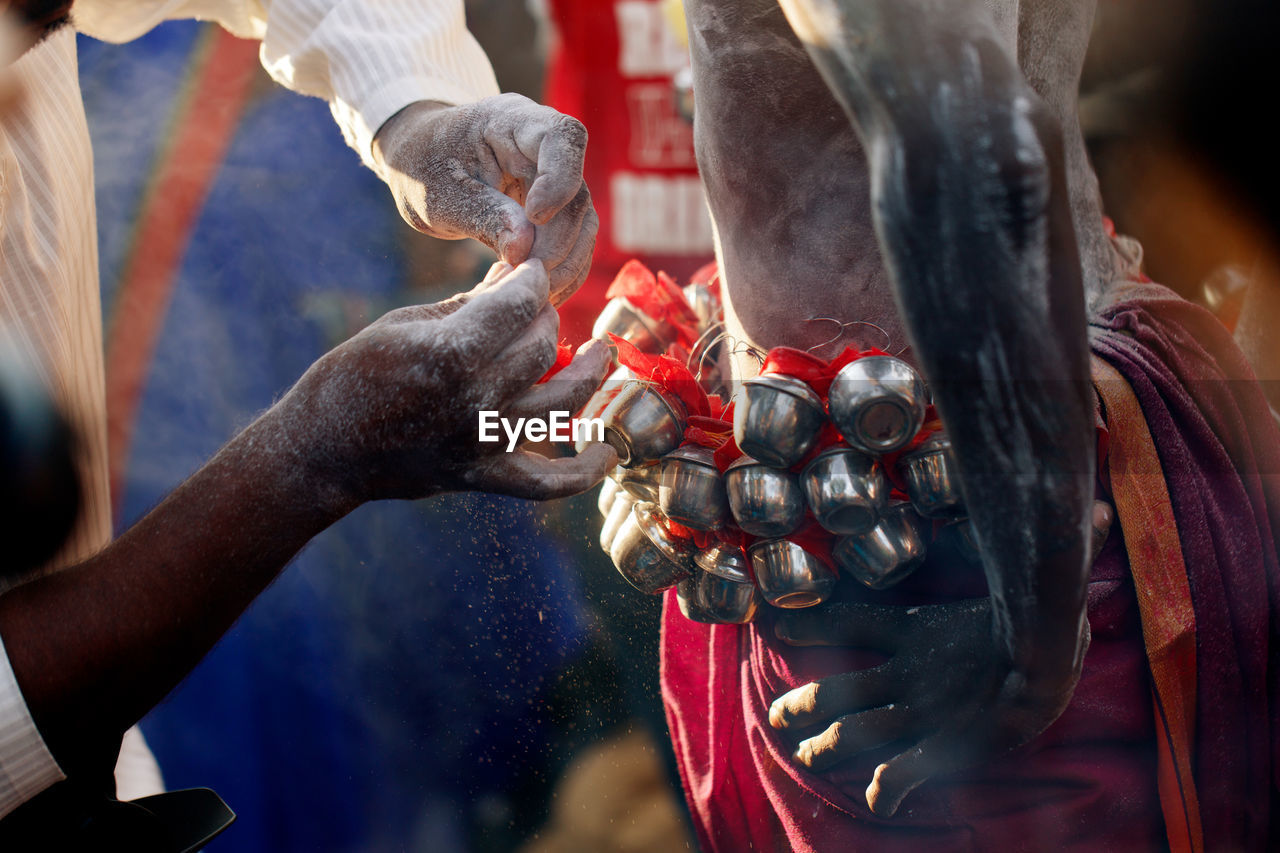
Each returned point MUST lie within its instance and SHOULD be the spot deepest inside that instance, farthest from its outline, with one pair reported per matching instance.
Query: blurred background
(425, 674)
(469, 673)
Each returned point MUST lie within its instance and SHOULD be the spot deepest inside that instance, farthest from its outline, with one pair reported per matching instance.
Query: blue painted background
(388, 686)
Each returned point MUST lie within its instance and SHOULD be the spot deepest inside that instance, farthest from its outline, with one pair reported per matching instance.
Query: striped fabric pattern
(368, 58)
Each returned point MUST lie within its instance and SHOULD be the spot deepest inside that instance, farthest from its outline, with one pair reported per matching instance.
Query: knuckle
(571, 131)
(836, 739)
(544, 354)
(398, 315)
(807, 699)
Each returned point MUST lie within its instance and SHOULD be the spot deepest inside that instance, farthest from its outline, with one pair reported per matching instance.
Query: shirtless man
(918, 165)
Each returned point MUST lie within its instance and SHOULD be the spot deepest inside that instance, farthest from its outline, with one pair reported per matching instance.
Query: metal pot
(692, 490)
(619, 512)
(877, 403)
(846, 490)
(931, 480)
(608, 491)
(641, 483)
(648, 556)
(776, 419)
(724, 601)
(643, 424)
(764, 501)
(886, 554)
(705, 305)
(631, 324)
(789, 576)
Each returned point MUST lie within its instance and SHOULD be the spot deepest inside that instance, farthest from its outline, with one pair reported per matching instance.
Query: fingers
(561, 145)
(832, 697)
(944, 752)
(558, 238)
(569, 274)
(861, 625)
(475, 209)
(850, 735)
(570, 389)
(529, 475)
(502, 312)
(521, 364)
(980, 729)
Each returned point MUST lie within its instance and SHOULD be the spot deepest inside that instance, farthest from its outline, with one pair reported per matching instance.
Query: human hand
(393, 412)
(946, 689)
(503, 170)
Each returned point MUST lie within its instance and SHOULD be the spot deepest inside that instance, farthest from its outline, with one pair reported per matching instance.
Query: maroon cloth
(1217, 443)
(1088, 782)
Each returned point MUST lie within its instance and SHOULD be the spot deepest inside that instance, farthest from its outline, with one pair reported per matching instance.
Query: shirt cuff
(360, 125)
(26, 767)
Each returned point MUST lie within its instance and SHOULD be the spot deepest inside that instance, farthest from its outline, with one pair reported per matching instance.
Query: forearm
(95, 646)
(970, 202)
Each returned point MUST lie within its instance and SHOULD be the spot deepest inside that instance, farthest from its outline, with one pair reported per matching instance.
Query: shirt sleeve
(367, 58)
(26, 767)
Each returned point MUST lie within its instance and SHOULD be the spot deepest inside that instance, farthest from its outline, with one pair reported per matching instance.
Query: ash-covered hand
(946, 689)
(393, 412)
(503, 170)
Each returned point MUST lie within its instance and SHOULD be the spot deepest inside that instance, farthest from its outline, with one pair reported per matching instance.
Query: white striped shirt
(368, 58)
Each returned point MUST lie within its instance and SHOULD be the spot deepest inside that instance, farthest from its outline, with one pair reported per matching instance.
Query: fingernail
(804, 753)
(588, 346)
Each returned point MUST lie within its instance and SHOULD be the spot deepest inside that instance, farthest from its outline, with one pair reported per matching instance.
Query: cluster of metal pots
(877, 403)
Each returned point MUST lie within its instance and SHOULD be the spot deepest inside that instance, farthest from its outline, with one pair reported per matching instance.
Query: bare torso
(788, 181)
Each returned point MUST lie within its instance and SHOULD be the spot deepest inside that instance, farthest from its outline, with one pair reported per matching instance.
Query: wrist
(300, 477)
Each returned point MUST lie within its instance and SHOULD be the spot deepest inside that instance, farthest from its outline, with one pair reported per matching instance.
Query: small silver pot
(789, 576)
(643, 424)
(692, 490)
(608, 390)
(687, 599)
(705, 305)
(633, 325)
(608, 491)
(725, 601)
(641, 482)
(886, 554)
(724, 560)
(846, 490)
(931, 479)
(776, 419)
(877, 403)
(619, 512)
(965, 538)
(764, 501)
(724, 589)
(648, 557)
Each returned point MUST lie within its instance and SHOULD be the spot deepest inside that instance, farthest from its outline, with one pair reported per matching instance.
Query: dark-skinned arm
(970, 205)
(391, 413)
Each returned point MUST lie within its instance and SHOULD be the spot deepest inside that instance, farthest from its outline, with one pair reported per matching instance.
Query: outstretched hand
(505, 171)
(393, 412)
(946, 689)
